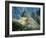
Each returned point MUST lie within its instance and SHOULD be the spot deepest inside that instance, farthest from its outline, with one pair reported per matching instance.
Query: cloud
(18, 11)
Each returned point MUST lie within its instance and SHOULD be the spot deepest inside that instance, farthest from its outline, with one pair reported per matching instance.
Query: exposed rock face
(27, 23)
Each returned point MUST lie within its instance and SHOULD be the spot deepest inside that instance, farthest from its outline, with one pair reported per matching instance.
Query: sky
(18, 11)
